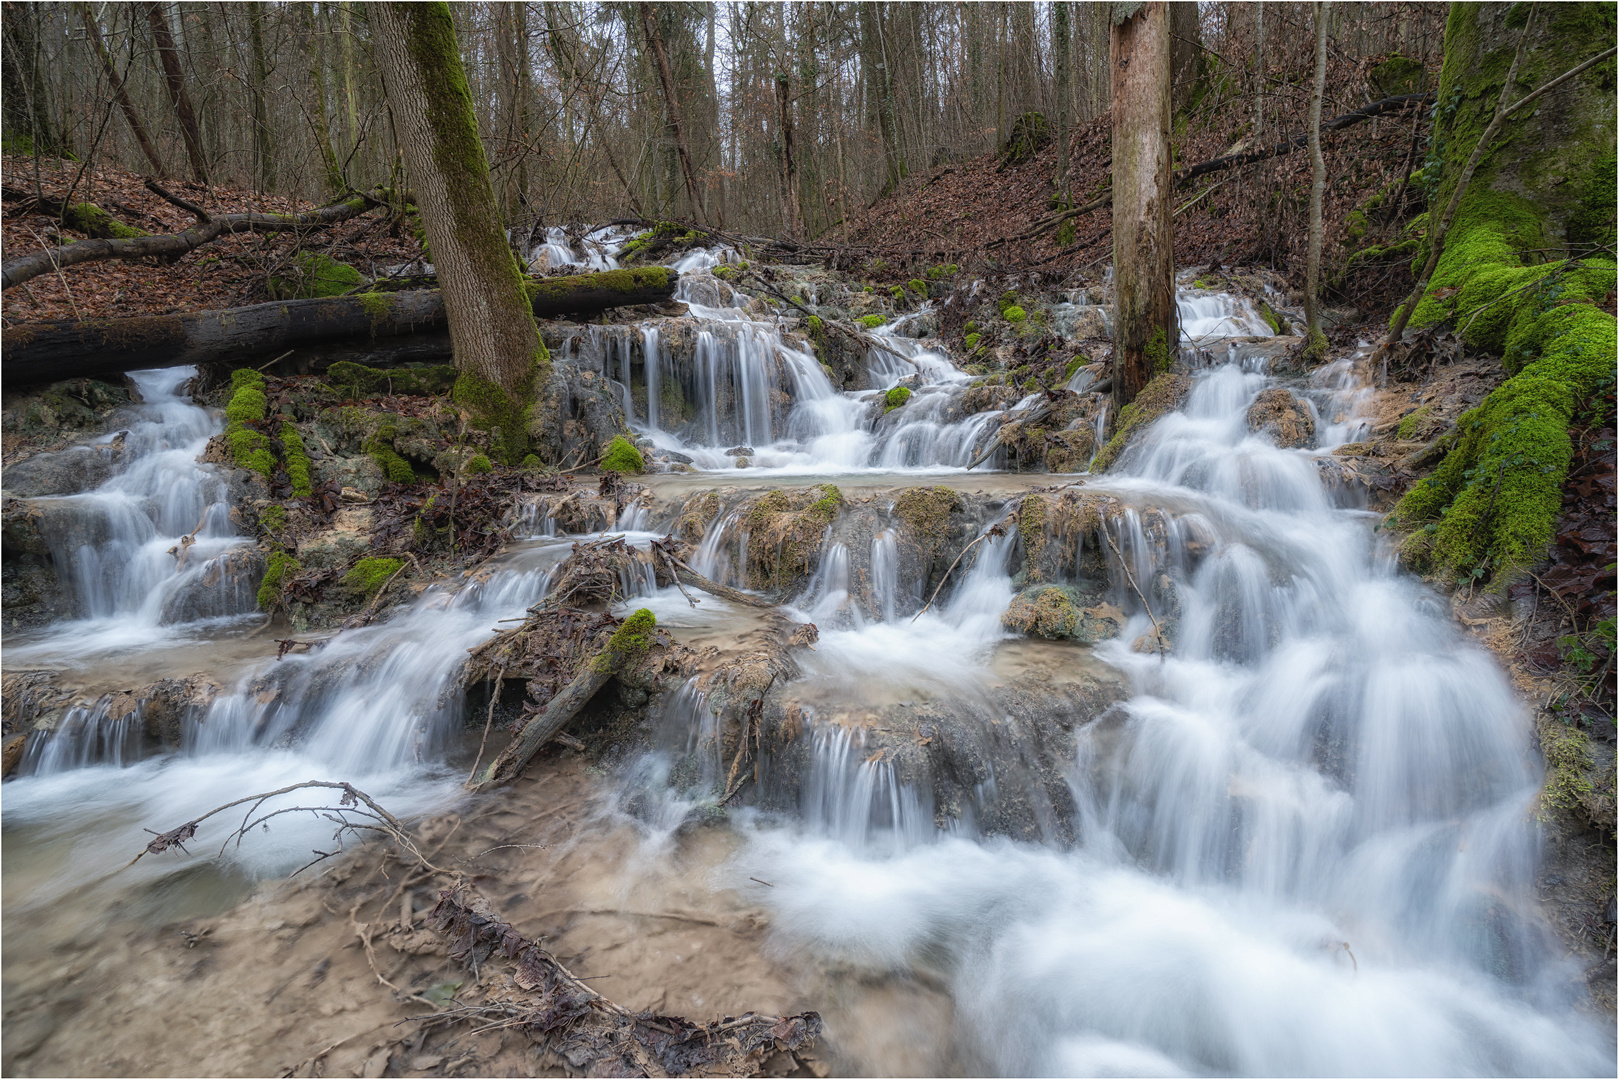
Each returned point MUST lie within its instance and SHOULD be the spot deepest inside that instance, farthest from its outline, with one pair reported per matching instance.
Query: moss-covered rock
(896, 397)
(621, 456)
(1164, 394)
(276, 567)
(785, 530)
(368, 576)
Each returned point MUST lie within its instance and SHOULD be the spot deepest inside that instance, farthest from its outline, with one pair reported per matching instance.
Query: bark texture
(174, 79)
(1145, 332)
(1316, 343)
(491, 325)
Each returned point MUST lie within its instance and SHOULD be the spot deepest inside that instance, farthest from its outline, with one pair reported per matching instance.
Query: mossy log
(52, 351)
(628, 643)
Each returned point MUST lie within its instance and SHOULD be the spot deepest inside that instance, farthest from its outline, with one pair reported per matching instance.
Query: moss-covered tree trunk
(1144, 332)
(1517, 276)
(497, 344)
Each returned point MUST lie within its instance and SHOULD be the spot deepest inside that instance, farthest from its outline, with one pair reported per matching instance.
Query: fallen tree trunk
(629, 641)
(171, 245)
(51, 351)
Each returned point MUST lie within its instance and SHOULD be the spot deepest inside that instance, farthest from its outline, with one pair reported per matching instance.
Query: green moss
(942, 271)
(1159, 357)
(969, 327)
(1008, 299)
(896, 397)
(870, 322)
(926, 513)
(297, 461)
(1014, 314)
(1048, 611)
(276, 567)
(1164, 394)
(90, 218)
(420, 380)
(377, 305)
(1066, 233)
(479, 464)
(394, 467)
(310, 274)
(1396, 75)
(919, 287)
(250, 449)
(532, 461)
(273, 518)
(1569, 764)
(1030, 132)
(971, 341)
(369, 575)
(1315, 347)
(1079, 360)
(1278, 322)
(558, 291)
(247, 405)
(1413, 423)
(622, 457)
(493, 410)
(246, 377)
(634, 636)
(897, 292)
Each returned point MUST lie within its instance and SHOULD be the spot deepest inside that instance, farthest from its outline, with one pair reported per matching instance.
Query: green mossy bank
(1518, 277)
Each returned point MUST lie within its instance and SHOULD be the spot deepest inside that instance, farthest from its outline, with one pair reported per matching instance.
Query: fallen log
(628, 642)
(172, 245)
(65, 349)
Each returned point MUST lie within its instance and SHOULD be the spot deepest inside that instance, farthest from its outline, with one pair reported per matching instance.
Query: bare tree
(174, 77)
(1145, 333)
(132, 115)
(1316, 342)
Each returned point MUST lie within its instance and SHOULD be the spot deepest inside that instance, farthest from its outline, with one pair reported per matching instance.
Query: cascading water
(1305, 843)
(153, 546)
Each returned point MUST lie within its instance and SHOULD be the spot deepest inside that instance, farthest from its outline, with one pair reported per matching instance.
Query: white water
(119, 546)
(1306, 845)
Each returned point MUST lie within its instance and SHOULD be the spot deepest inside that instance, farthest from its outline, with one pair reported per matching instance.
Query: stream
(1303, 842)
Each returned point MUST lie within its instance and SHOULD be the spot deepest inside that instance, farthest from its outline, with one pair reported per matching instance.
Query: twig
(991, 531)
(277, 360)
(1157, 631)
(494, 699)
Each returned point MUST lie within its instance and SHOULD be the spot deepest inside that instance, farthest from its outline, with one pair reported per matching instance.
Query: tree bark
(491, 323)
(320, 127)
(1061, 46)
(131, 115)
(1184, 46)
(1315, 343)
(1145, 332)
(263, 139)
(671, 99)
(51, 351)
(174, 79)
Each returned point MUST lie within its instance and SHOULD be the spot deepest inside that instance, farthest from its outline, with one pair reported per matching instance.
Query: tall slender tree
(132, 115)
(1061, 47)
(174, 79)
(1145, 334)
(1316, 342)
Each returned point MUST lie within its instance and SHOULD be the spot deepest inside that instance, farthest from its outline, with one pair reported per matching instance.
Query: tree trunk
(1315, 343)
(1185, 35)
(1060, 48)
(26, 107)
(1145, 332)
(496, 342)
(175, 80)
(263, 140)
(792, 213)
(131, 115)
(649, 27)
(320, 126)
(51, 351)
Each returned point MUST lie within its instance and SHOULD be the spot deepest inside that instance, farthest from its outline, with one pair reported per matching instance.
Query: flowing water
(1303, 844)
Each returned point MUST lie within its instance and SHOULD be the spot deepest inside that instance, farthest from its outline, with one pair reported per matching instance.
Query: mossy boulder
(896, 397)
(368, 576)
(1056, 613)
(785, 530)
(621, 456)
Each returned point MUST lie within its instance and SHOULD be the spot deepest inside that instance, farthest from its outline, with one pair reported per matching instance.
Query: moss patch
(785, 532)
(1164, 394)
(1014, 314)
(622, 457)
(634, 636)
(896, 397)
(93, 220)
(368, 576)
(297, 462)
(310, 274)
(479, 464)
(871, 322)
(276, 568)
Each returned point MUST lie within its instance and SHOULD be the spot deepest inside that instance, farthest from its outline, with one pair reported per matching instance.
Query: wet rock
(76, 405)
(1285, 418)
(64, 472)
(575, 412)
